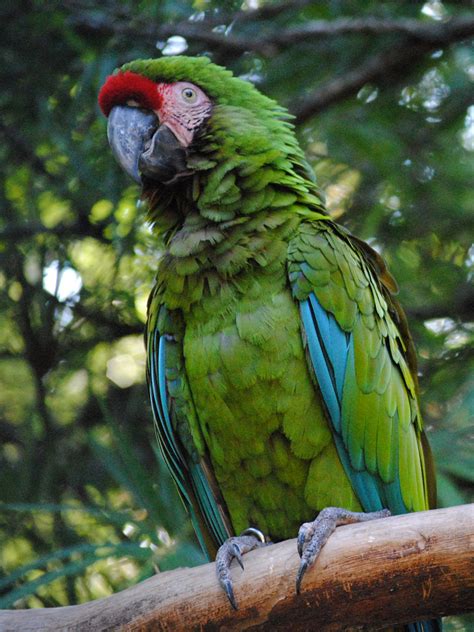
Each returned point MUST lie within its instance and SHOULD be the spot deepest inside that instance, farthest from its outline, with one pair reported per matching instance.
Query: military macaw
(281, 371)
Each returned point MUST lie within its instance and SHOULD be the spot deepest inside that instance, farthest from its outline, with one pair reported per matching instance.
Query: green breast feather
(279, 362)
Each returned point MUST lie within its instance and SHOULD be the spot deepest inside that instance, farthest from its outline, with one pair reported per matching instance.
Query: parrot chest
(259, 413)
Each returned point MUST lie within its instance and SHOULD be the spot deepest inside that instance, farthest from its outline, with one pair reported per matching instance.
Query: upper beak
(142, 147)
(128, 129)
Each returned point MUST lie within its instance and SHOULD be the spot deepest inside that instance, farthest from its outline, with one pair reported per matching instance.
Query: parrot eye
(189, 95)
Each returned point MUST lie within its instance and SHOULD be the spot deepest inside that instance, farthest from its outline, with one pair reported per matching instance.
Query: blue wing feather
(163, 397)
(188, 475)
(208, 505)
(330, 350)
(318, 360)
(159, 404)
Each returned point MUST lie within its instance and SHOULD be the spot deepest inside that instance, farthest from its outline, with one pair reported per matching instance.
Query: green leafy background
(87, 506)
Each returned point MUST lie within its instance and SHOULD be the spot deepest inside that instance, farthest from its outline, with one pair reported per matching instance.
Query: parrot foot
(235, 548)
(313, 536)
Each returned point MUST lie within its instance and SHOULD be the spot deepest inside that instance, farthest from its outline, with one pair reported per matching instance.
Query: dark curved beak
(128, 130)
(142, 147)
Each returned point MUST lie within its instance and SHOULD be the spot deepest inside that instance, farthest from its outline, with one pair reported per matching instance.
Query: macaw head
(158, 110)
(183, 127)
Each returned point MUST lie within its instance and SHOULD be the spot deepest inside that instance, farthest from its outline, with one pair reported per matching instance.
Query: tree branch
(461, 306)
(381, 66)
(389, 571)
(436, 33)
(81, 228)
(268, 44)
(271, 11)
(433, 35)
(387, 65)
(420, 38)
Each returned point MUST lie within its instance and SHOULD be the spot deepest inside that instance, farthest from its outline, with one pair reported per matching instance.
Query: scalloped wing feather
(362, 365)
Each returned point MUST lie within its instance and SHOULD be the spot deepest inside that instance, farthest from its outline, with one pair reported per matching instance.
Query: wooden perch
(388, 571)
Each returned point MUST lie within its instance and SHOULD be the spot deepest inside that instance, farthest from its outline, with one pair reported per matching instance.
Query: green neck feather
(251, 185)
(247, 159)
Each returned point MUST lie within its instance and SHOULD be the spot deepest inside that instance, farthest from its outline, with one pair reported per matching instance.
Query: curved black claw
(233, 549)
(229, 591)
(313, 536)
(301, 571)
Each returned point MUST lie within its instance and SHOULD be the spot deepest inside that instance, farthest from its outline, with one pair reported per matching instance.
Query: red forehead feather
(120, 88)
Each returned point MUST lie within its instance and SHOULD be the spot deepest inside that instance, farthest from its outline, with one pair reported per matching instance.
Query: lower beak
(143, 147)
(164, 158)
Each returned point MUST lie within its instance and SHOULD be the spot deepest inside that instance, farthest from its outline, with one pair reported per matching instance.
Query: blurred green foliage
(87, 506)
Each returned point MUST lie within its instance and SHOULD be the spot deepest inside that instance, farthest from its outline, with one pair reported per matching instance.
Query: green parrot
(281, 371)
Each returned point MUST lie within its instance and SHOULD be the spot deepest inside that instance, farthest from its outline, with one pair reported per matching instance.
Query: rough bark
(388, 571)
